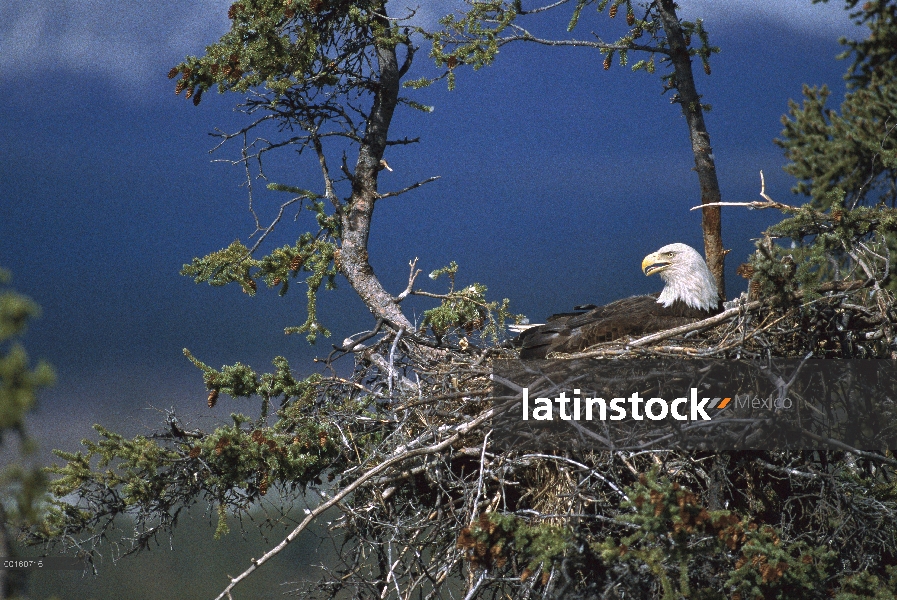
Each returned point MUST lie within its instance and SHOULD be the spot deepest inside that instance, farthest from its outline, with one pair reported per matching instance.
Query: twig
(831, 286)
(662, 335)
(411, 277)
(270, 227)
(459, 431)
(847, 448)
(476, 500)
(591, 471)
(785, 470)
(409, 188)
(392, 356)
(476, 586)
(769, 202)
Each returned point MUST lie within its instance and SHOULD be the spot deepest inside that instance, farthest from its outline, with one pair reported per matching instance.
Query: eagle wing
(633, 316)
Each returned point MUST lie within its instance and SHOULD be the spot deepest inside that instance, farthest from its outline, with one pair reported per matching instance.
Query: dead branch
(767, 203)
(412, 276)
(409, 188)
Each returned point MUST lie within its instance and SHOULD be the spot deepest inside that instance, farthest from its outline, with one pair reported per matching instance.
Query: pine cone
(630, 19)
(213, 398)
(613, 11)
(607, 62)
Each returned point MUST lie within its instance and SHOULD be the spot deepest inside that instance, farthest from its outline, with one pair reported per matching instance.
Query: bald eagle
(690, 294)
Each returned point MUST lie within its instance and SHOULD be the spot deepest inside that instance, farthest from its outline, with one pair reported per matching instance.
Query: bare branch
(412, 276)
(392, 356)
(525, 36)
(325, 172)
(539, 9)
(769, 202)
(473, 590)
(409, 188)
(270, 227)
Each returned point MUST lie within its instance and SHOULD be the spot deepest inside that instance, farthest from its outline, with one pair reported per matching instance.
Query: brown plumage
(690, 294)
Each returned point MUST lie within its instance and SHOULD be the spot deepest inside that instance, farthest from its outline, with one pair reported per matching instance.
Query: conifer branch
(525, 36)
(402, 454)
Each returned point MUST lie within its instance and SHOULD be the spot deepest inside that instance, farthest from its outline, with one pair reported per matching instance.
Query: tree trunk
(356, 217)
(700, 142)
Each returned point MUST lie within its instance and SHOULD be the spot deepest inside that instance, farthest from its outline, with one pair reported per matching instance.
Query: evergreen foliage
(826, 245)
(854, 150)
(681, 542)
(687, 550)
(19, 382)
(475, 38)
(467, 310)
(311, 254)
(303, 51)
(494, 538)
(21, 488)
(154, 478)
(847, 164)
(312, 69)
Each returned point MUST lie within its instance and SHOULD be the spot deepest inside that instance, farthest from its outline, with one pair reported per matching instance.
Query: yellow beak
(653, 263)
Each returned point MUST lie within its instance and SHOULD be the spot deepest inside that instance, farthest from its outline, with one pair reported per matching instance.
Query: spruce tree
(854, 149)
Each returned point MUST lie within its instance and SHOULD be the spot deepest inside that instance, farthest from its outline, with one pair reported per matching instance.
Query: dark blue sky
(557, 178)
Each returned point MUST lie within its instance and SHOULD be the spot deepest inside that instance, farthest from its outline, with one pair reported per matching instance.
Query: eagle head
(686, 276)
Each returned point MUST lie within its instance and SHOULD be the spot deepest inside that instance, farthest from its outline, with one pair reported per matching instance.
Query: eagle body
(689, 295)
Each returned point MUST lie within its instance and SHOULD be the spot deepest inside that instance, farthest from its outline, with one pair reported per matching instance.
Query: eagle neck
(695, 288)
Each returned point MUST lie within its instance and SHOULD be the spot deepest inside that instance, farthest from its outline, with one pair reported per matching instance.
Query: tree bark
(700, 142)
(356, 215)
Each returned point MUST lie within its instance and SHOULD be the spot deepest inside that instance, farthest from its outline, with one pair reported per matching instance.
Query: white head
(686, 276)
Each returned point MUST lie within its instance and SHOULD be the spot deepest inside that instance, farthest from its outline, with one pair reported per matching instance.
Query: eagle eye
(670, 254)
